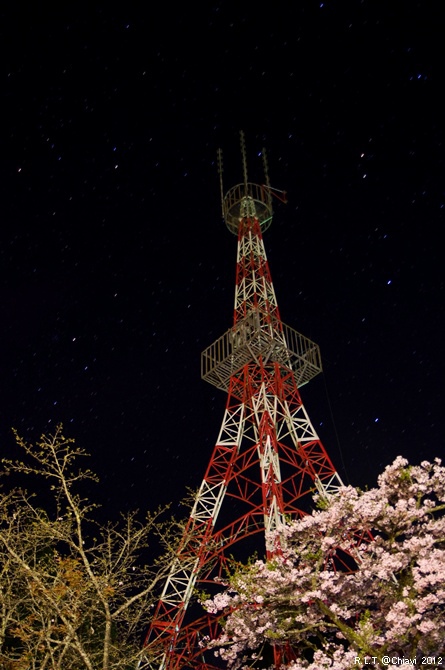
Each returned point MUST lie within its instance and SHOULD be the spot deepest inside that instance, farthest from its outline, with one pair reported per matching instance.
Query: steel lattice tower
(268, 460)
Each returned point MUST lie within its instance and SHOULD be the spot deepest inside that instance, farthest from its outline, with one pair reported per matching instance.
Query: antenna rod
(266, 167)
(243, 155)
(266, 176)
(220, 172)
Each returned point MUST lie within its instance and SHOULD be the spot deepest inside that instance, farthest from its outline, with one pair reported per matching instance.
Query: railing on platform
(254, 337)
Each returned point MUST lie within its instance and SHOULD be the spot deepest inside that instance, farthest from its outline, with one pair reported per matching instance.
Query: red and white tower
(268, 460)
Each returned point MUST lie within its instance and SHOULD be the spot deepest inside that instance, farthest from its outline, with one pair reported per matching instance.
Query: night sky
(116, 269)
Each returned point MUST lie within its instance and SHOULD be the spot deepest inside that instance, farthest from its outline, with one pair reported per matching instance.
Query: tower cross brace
(268, 460)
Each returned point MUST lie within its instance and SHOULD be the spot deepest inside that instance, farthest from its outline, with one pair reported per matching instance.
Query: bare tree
(74, 593)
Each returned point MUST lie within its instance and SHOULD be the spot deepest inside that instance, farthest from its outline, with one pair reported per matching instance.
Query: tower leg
(265, 430)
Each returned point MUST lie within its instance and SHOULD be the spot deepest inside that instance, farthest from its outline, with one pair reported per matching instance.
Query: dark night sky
(116, 269)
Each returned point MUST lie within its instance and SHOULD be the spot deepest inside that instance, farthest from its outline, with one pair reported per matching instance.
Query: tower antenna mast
(220, 172)
(244, 158)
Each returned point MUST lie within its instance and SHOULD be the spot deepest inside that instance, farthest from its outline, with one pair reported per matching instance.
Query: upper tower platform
(247, 199)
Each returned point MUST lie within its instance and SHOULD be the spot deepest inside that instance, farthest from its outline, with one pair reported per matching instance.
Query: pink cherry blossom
(363, 577)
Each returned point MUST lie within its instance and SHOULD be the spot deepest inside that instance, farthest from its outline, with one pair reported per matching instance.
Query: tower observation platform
(254, 337)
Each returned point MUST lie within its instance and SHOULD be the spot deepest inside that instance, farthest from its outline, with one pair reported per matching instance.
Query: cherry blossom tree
(338, 602)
